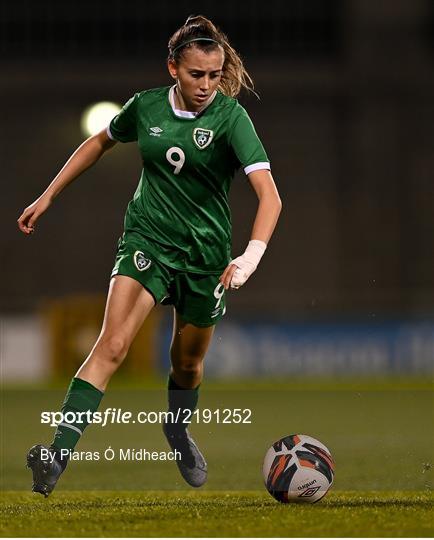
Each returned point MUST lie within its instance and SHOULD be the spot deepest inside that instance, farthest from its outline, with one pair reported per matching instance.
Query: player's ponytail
(235, 76)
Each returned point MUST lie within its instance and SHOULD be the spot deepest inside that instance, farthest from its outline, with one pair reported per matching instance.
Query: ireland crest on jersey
(202, 137)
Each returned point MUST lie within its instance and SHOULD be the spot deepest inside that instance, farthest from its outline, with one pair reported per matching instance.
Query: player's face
(198, 74)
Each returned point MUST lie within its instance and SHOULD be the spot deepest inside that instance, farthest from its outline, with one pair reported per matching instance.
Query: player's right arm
(86, 155)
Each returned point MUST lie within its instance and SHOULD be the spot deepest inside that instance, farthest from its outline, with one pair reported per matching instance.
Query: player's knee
(114, 348)
(188, 367)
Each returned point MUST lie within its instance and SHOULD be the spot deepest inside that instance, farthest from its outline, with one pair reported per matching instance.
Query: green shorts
(198, 298)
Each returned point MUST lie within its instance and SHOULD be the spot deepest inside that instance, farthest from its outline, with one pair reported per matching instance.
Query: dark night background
(346, 115)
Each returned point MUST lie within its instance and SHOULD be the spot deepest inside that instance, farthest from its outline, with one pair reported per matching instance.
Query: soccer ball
(298, 468)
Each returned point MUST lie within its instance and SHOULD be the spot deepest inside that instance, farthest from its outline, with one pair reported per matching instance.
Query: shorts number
(177, 163)
(218, 293)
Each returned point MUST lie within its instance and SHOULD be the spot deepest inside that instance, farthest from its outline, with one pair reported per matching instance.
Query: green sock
(182, 399)
(80, 397)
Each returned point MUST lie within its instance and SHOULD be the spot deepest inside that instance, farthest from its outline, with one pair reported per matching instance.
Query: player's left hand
(240, 269)
(227, 275)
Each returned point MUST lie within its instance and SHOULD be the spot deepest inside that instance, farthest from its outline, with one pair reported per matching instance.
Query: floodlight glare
(97, 117)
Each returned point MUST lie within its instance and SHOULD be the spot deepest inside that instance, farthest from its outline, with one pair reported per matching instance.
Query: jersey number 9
(177, 163)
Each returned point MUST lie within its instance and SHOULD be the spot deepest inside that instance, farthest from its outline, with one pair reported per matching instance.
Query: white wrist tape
(247, 262)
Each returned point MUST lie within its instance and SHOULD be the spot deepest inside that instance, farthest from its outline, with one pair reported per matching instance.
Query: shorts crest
(202, 137)
(141, 262)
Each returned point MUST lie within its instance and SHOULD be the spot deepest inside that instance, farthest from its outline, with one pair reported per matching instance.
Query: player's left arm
(240, 269)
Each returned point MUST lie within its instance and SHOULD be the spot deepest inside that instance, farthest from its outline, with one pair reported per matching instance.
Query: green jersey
(180, 207)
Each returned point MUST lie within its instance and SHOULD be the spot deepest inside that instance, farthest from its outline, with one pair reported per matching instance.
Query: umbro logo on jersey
(202, 137)
(141, 262)
(155, 131)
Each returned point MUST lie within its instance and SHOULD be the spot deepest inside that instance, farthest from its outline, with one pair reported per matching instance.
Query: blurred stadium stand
(346, 114)
(135, 28)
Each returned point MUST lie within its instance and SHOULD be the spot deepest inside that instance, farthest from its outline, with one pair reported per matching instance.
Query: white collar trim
(187, 114)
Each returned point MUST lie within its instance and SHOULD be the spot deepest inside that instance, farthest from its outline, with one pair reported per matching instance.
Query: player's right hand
(27, 220)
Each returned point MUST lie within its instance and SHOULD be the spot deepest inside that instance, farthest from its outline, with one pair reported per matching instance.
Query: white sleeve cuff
(109, 133)
(257, 167)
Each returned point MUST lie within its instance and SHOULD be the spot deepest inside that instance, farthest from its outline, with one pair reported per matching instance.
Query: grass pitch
(214, 514)
(381, 435)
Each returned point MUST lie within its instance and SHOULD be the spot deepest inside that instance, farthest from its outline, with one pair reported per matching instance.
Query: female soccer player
(176, 245)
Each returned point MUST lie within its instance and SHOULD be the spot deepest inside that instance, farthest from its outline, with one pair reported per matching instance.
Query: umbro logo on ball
(310, 492)
(141, 262)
